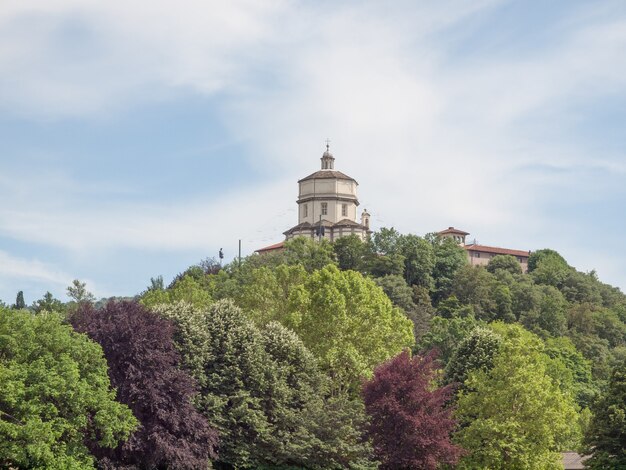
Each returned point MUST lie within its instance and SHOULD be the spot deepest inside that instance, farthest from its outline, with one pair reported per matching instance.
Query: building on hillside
(481, 254)
(573, 461)
(327, 206)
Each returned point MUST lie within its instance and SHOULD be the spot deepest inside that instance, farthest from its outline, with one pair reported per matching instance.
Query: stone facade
(328, 205)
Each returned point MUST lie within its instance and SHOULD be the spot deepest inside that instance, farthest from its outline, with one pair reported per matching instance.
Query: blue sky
(139, 137)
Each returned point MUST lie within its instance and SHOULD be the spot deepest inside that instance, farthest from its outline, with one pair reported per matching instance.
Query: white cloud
(434, 141)
(70, 57)
(15, 270)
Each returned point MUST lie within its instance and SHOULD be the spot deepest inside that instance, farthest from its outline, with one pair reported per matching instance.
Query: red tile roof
(496, 250)
(275, 246)
(453, 230)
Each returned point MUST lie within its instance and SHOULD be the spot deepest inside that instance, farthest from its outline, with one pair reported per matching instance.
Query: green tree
(413, 300)
(345, 319)
(352, 253)
(449, 258)
(473, 286)
(422, 313)
(224, 352)
(78, 292)
(548, 318)
(48, 304)
(186, 289)
(606, 435)
(386, 241)
(581, 383)
(475, 352)
(19, 301)
(273, 294)
(419, 260)
(55, 395)
(156, 283)
(548, 267)
(397, 290)
(506, 263)
(309, 253)
(515, 416)
(350, 325)
(263, 390)
(445, 334)
(607, 325)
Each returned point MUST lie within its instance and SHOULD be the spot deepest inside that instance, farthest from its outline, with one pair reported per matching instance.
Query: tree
(419, 260)
(400, 294)
(308, 428)
(48, 304)
(351, 252)
(410, 423)
(156, 283)
(386, 241)
(606, 435)
(548, 317)
(309, 253)
(504, 262)
(345, 319)
(515, 416)
(449, 258)
(445, 334)
(262, 389)
(55, 395)
(413, 300)
(476, 352)
(78, 292)
(581, 383)
(350, 325)
(536, 257)
(143, 366)
(548, 267)
(422, 313)
(19, 301)
(473, 285)
(272, 294)
(185, 289)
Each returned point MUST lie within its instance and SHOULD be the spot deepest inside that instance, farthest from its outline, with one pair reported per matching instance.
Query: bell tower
(328, 161)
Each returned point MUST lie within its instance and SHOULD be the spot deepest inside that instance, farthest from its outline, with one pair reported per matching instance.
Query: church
(327, 206)
(328, 209)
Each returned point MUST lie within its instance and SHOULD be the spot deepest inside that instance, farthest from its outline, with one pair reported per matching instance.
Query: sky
(138, 137)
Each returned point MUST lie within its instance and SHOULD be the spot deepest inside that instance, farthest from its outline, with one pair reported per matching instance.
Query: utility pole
(240, 252)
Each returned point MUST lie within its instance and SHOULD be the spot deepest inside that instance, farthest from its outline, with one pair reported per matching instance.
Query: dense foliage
(55, 395)
(606, 436)
(410, 422)
(143, 367)
(280, 344)
(513, 414)
(262, 389)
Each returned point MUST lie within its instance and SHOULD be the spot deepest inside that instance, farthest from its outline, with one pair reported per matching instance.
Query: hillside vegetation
(394, 353)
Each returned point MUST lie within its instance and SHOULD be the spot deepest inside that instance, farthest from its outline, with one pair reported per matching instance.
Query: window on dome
(324, 208)
(305, 210)
(344, 210)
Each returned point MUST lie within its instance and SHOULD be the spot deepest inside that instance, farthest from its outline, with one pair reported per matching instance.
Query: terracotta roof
(275, 246)
(327, 174)
(453, 230)
(496, 250)
(573, 461)
(325, 223)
